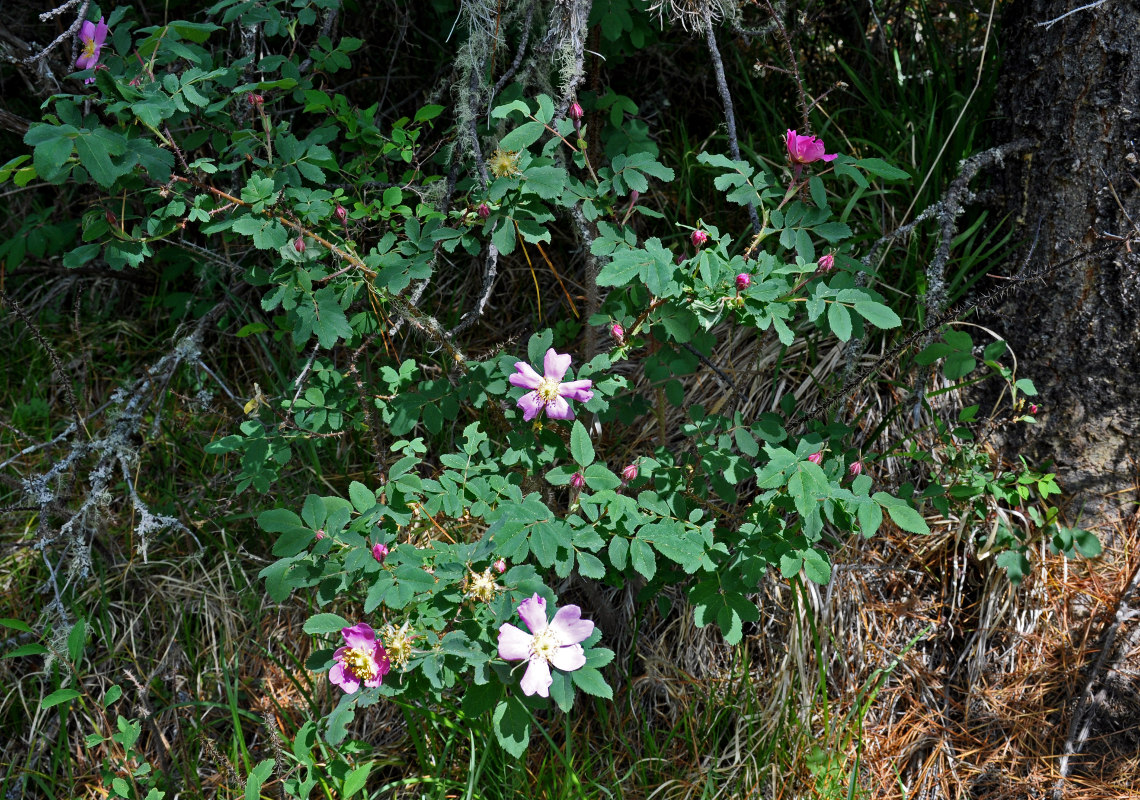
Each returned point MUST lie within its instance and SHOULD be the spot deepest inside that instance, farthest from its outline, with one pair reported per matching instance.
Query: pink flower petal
(383, 667)
(360, 636)
(582, 390)
(558, 408)
(537, 679)
(514, 643)
(531, 404)
(525, 377)
(533, 613)
(569, 626)
(87, 31)
(556, 364)
(569, 658)
(343, 678)
(100, 33)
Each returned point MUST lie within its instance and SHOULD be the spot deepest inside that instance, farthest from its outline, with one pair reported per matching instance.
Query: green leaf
(1015, 564)
(590, 681)
(833, 232)
(363, 500)
(32, 649)
(356, 780)
(1025, 386)
(257, 778)
(325, 623)
(581, 448)
(76, 639)
(512, 726)
(1087, 543)
(840, 321)
(902, 514)
(113, 694)
(817, 567)
(590, 566)
(877, 314)
(7, 622)
(642, 558)
(879, 167)
(522, 137)
(57, 697)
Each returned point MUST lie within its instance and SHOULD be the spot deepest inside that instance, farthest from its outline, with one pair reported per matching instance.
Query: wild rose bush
(496, 480)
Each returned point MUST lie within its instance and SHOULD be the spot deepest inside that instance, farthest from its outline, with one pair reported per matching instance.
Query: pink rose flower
(361, 660)
(575, 111)
(816, 458)
(483, 211)
(743, 281)
(549, 393)
(500, 566)
(380, 552)
(578, 480)
(856, 468)
(618, 332)
(629, 474)
(341, 212)
(806, 149)
(826, 263)
(299, 244)
(555, 643)
(91, 36)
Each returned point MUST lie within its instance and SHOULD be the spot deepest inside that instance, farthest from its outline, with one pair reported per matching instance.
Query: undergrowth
(178, 673)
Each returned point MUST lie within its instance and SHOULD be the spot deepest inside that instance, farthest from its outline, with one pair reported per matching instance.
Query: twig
(524, 39)
(71, 31)
(729, 113)
(1051, 22)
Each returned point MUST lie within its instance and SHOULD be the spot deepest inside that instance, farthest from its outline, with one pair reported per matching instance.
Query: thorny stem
(414, 316)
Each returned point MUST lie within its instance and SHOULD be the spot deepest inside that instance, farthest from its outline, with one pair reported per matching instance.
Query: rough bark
(1074, 88)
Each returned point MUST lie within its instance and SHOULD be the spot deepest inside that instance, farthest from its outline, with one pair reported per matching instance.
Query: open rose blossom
(806, 149)
(555, 643)
(91, 36)
(361, 660)
(549, 393)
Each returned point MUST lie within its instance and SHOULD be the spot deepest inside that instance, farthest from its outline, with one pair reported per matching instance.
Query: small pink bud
(634, 196)
(826, 263)
(856, 468)
(320, 534)
(575, 111)
(578, 481)
(380, 552)
(341, 213)
(255, 99)
(743, 281)
(500, 566)
(483, 211)
(111, 218)
(618, 332)
(629, 474)
(299, 244)
(1032, 409)
(816, 458)
(698, 238)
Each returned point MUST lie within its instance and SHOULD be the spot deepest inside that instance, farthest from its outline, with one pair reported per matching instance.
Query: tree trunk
(1074, 89)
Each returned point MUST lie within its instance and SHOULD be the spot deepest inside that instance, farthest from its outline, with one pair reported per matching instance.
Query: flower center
(89, 48)
(545, 644)
(360, 663)
(547, 389)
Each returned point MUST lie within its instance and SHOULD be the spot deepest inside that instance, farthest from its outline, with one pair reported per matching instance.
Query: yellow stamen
(545, 644)
(547, 389)
(360, 663)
